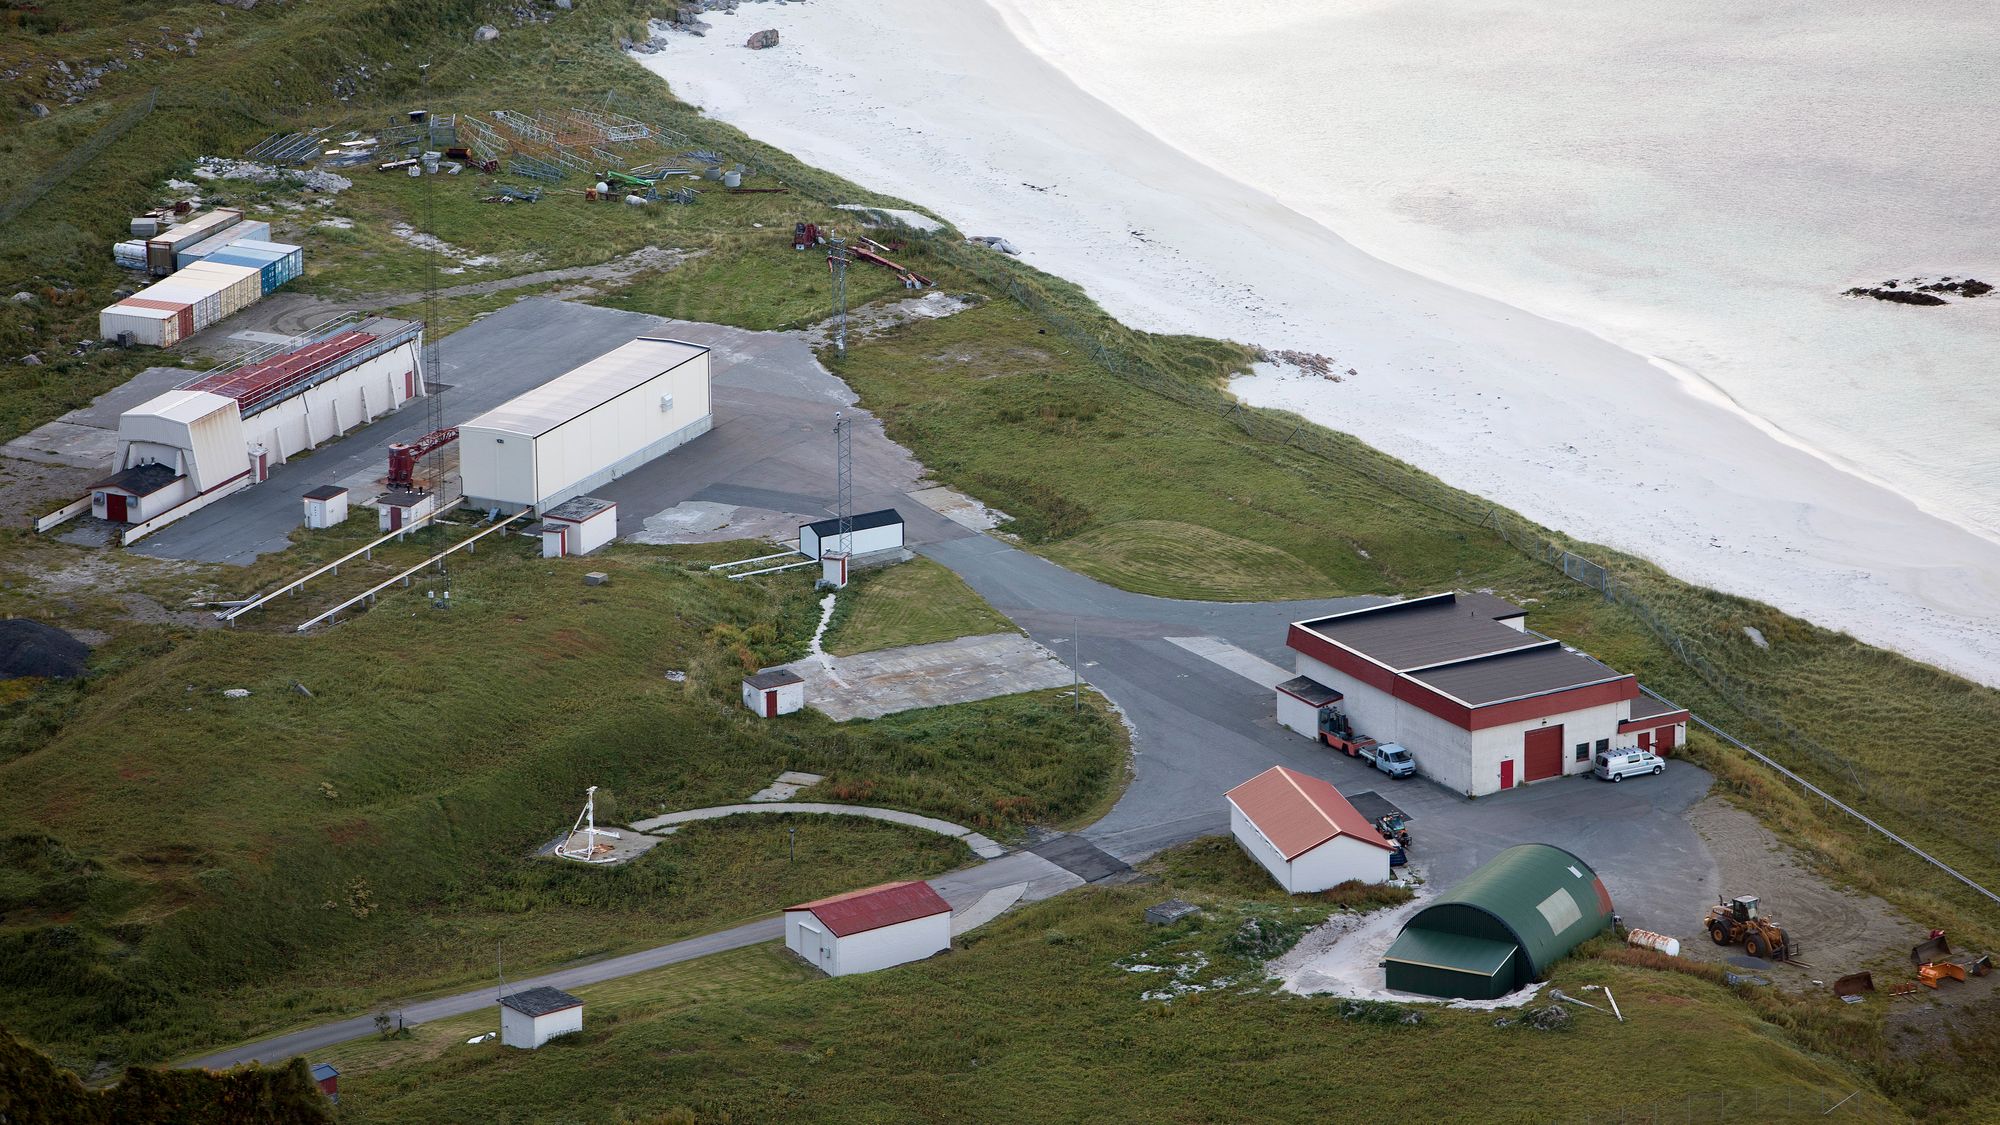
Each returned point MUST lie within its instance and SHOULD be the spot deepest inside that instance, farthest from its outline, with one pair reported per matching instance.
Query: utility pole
(434, 461)
(836, 261)
(1075, 666)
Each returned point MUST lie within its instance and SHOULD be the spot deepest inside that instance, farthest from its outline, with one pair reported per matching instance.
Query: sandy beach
(1549, 418)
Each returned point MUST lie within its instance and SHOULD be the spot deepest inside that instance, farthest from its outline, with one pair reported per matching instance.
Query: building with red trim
(1481, 701)
(874, 928)
(1305, 833)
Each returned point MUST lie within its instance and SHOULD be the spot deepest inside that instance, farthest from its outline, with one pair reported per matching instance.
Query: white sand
(943, 105)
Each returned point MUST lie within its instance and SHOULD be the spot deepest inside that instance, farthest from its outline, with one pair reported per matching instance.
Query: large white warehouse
(591, 425)
(1482, 702)
(174, 450)
(293, 401)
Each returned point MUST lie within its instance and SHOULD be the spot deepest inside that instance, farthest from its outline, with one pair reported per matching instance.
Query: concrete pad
(628, 847)
(959, 508)
(787, 786)
(706, 521)
(873, 684)
(989, 906)
(66, 443)
(1248, 665)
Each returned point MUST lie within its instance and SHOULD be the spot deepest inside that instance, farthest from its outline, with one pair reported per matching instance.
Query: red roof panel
(1299, 813)
(256, 382)
(875, 907)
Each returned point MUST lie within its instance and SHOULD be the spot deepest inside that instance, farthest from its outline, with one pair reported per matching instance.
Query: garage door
(1543, 750)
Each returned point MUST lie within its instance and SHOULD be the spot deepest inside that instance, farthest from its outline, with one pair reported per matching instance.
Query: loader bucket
(1931, 950)
(1854, 984)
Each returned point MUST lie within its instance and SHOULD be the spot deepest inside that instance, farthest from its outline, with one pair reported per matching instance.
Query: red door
(114, 507)
(770, 704)
(1542, 753)
(1663, 742)
(409, 384)
(1645, 740)
(395, 519)
(1507, 773)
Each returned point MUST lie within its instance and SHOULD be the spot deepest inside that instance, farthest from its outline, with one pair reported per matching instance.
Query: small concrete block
(596, 578)
(1170, 911)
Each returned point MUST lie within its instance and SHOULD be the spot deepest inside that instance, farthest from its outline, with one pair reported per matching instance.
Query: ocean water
(1696, 181)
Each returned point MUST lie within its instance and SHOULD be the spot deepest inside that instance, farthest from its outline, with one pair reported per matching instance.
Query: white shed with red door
(1305, 833)
(774, 692)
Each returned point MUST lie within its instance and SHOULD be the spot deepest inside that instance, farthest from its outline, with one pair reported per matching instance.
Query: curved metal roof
(1546, 898)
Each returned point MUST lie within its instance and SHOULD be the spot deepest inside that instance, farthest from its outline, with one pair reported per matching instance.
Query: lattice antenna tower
(843, 479)
(433, 475)
(836, 261)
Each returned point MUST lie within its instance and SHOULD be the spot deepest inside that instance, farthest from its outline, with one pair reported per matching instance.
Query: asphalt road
(1198, 728)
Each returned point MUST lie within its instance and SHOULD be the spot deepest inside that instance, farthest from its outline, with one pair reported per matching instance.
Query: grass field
(912, 603)
(299, 856)
(1046, 1000)
(1184, 560)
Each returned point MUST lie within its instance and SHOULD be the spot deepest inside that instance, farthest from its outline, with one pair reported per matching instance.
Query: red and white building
(1482, 702)
(774, 692)
(1305, 833)
(862, 931)
(578, 526)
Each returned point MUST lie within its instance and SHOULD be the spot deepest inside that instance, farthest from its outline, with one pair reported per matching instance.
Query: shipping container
(188, 255)
(162, 248)
(145, 226)
(157, 323)
(295, 258)
(131, 255)
(242, 285)
(270, 266)
(204, 295)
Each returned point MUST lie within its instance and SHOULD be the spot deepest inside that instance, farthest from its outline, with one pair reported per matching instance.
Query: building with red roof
(869, 929)
(1305, 833)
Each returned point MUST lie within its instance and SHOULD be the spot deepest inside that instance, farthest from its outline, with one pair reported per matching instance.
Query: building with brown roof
(1305, 833)
(1480, 700)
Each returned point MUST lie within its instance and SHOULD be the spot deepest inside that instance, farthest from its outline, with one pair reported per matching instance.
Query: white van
(1617, 765)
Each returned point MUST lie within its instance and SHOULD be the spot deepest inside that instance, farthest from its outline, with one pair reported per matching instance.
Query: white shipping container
(131, 255)
(157, 327)
(244, 284)
(203, 295)
(199, 227)
(235, 232)
(145, 226)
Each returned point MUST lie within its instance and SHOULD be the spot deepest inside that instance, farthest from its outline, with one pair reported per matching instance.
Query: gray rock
(766, 38)
(562, 5)
(31, 360)
(240, 5)
(486, 33)
(23, 297)
(39, 110)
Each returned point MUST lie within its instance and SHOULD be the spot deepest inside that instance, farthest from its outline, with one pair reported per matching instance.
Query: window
(1603, 744)
(1583, 751)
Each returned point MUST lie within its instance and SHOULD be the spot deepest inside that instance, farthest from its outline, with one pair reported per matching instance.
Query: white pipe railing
(369, 594)
(334, 566)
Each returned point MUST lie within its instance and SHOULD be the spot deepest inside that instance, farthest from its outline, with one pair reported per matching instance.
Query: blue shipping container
(270, 267)
(294, 257)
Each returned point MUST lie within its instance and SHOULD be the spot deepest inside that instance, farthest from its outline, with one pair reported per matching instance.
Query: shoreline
(1465, 387)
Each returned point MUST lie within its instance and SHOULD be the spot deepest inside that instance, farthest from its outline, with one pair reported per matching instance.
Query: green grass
(297, 857)
(1170, 559)
(1036, 1018)
(912, 603)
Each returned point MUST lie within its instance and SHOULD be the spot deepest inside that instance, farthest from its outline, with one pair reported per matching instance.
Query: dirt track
(1838, 931)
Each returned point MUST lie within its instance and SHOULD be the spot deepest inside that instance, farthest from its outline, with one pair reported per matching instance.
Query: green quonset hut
(1500, 928)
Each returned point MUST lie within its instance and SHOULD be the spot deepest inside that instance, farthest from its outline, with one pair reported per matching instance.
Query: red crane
(403, 456)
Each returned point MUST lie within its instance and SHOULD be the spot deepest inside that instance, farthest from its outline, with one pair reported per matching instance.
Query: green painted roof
(1438, 950)
(1548, 898)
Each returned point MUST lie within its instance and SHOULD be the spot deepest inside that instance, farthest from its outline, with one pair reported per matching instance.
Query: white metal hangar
(593, 424)
(173, 450)
(1482, 702)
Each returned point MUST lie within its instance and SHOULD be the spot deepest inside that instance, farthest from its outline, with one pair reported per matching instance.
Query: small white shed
(578, 526)
(533, 1016)
(774, 692)
(866, 930)
(398, 508)
(326, 506)
(871, 532)
(1305, 833)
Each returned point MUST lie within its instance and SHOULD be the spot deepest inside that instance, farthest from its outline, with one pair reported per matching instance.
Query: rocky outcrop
(762, 39)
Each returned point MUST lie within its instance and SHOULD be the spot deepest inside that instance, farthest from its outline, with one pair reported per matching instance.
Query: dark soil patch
(30, 648)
